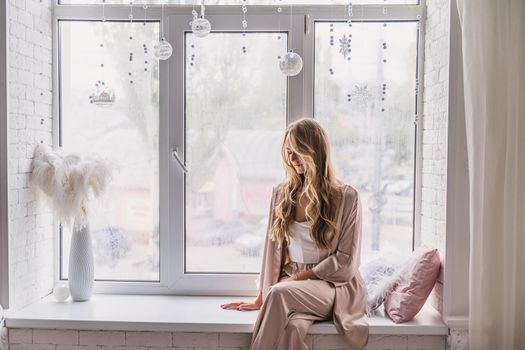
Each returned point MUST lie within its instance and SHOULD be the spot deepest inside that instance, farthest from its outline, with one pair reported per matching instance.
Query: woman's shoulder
(349, 193)
(277, 188)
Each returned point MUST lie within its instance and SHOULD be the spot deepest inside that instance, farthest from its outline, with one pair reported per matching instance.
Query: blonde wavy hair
(309, 141)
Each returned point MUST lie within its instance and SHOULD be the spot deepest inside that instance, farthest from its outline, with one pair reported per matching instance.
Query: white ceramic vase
(81, 265)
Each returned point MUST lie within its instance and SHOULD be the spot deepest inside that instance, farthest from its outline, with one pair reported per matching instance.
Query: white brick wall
(33, 339)
(435, 126)
(30, 122)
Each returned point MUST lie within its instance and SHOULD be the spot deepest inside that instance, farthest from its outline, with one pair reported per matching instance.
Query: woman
(312, 250)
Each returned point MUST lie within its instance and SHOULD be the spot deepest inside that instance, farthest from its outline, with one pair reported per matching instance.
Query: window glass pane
(365, 96)
(125, 224)
(248, 2)
(235, 117)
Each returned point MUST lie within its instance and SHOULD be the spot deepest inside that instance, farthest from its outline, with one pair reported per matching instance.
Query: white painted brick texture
(435, 126)
(120, 340)
(30, 122)
(102, 338)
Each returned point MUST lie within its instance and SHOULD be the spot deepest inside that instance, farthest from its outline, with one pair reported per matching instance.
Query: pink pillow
(418, 276)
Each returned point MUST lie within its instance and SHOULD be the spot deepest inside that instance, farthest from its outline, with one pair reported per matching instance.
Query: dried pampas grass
(69, 181)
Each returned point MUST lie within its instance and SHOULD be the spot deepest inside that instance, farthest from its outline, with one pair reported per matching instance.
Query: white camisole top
(301, 247)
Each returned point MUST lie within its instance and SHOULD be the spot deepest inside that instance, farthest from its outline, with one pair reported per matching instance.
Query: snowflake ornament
(361, 94)
(345, 45)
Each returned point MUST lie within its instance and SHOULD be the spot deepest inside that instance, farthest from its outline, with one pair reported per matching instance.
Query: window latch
(175, 154)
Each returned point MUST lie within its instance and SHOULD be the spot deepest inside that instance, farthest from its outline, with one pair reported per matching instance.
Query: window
(364, 94)
(234, 121)
(222, 104)
(125, 226)
(236, 104)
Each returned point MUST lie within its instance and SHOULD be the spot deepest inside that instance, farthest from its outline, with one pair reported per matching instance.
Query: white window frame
(173, 280)
(260, 22)
(371, 13)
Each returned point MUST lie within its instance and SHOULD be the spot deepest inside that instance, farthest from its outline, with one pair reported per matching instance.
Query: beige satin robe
(340, 269)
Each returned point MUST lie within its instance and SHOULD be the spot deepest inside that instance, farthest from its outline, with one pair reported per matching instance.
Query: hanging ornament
(102, 95)
(362, 95)
(201, 27)
(291, 64)
(162, 49)
(345, 45)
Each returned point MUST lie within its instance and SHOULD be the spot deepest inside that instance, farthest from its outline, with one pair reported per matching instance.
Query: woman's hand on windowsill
(245, 306)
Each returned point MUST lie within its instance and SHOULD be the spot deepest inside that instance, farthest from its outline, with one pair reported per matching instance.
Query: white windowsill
(183, 314)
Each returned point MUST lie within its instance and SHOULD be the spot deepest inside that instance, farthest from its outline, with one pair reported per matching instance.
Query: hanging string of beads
(244, 24)
(102, 95)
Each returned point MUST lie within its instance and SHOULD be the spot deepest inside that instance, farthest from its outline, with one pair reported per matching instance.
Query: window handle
(175, 154)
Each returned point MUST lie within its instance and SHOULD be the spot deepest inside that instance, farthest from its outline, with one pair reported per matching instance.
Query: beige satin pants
(288, 311)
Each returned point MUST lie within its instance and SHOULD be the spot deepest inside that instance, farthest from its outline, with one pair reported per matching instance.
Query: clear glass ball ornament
(163, 49)
(201, 27)
(61, 292)
(103, 95)
(291, 64)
